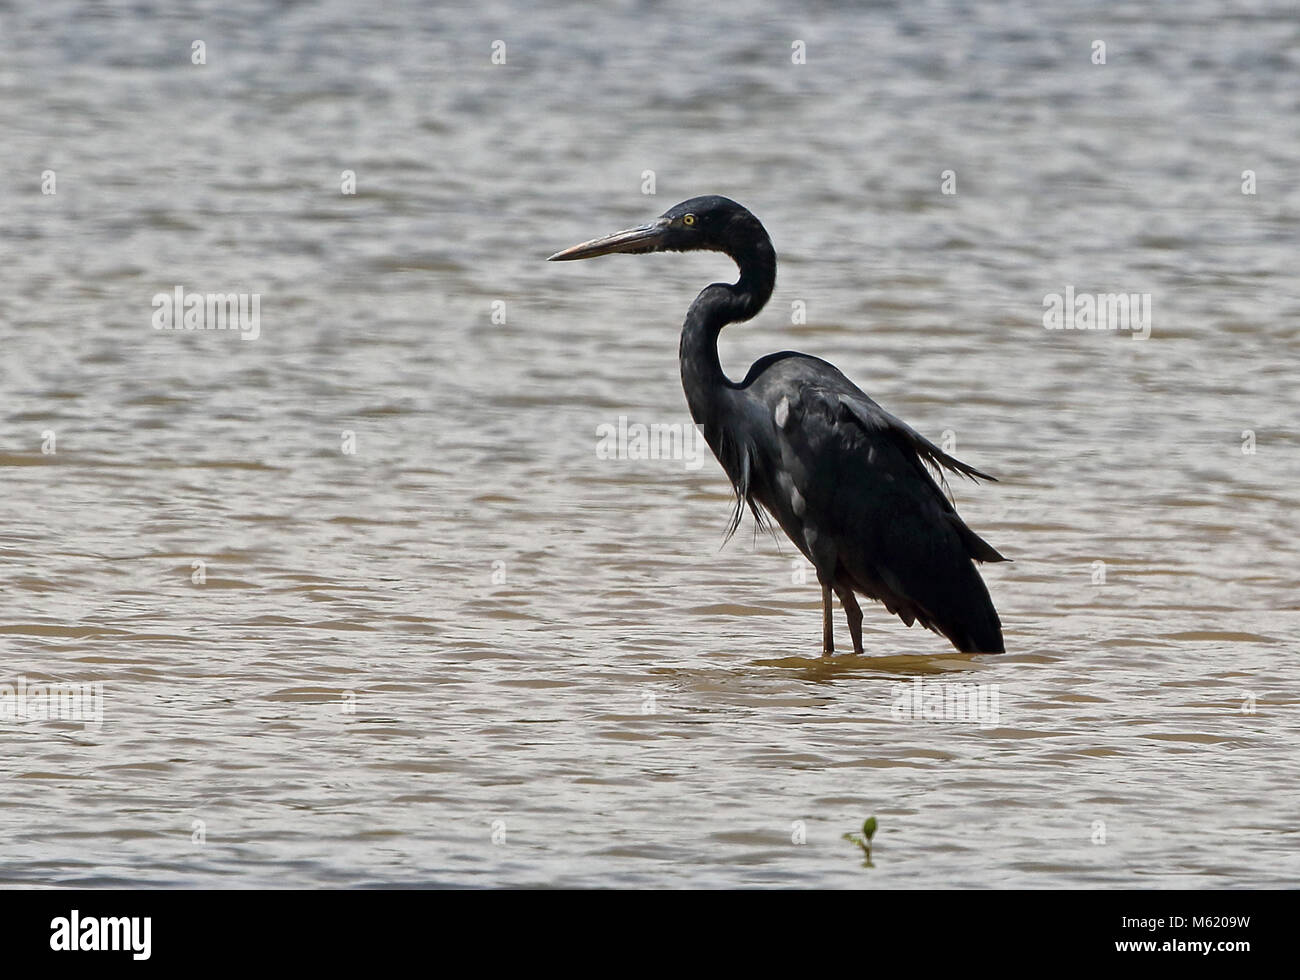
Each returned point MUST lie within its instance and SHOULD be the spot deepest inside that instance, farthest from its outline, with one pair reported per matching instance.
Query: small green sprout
(863, 840)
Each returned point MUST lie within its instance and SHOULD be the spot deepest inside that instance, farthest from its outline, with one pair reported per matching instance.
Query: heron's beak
(644, 238)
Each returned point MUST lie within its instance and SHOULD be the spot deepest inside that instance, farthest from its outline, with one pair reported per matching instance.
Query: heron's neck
(718, 305)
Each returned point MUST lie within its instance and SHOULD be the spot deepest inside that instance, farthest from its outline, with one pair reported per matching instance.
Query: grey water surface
(372, 605)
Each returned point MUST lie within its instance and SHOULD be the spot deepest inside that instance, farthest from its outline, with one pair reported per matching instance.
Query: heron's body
(844, 479)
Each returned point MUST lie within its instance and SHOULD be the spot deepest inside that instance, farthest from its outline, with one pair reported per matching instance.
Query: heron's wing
(851, 460)
(873, 418)
(876, 423)
(820, 388)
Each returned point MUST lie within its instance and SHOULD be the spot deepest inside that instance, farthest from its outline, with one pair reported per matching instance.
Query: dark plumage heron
(843, 478)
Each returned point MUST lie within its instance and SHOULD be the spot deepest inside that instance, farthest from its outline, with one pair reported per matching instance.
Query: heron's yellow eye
(688, 219)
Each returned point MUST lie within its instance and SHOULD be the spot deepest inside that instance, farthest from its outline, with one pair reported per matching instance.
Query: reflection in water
(824, 668)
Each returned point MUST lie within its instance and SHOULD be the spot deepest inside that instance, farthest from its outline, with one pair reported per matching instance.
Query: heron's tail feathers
(979, 632)
(966, 614)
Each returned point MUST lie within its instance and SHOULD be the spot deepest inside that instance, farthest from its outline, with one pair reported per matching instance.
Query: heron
(849, 483)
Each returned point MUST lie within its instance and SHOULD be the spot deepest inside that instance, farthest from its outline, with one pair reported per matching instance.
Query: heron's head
(712, 223)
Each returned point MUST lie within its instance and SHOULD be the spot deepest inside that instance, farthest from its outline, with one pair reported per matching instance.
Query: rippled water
(440, 640)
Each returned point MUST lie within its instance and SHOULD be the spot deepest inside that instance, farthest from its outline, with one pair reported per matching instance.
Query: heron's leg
(853, 613)
(828, 622)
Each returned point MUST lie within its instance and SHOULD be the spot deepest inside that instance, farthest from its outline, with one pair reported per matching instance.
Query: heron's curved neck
(718, 305)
